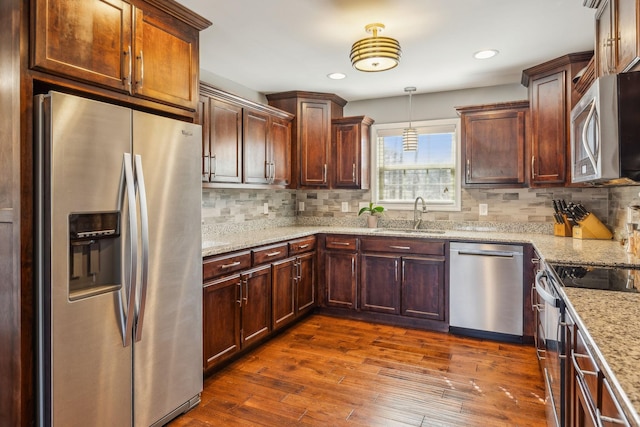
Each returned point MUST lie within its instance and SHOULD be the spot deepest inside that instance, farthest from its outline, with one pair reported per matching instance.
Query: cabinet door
(225, 121)
(284, 283)
(380, 283)
(341, 279)
(314, 143)
(423, 288)
(605, 48)
(346, 138)
(548, 132)
(627, 27)
(88, 40)
(494, 147)
(256, 304)
(257, 169)
(306, 284)
(165, 52)
(221, 320)
(280, 141)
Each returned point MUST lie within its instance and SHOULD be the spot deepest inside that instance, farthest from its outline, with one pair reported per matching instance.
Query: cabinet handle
(233, 264)
(303, 246)
(353, 266)
(324, 174)
(130, 77)
(214, 166)
(273, 172)
(299, 268)
(206, 166)
(468, 170)
(239, 300)
(353, 173)
(342, 243)
(270, 254)
(533, 168)
(406, 248)
(246, 294)
(140, 83)
(396, 267)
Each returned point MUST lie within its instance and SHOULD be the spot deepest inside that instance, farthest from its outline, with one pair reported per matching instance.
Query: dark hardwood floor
(327, 371)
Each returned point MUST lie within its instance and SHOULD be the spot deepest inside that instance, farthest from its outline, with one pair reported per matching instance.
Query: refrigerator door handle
(144, 234)
(127, 189)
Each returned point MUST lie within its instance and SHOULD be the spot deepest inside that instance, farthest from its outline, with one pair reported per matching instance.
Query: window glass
(430, 172)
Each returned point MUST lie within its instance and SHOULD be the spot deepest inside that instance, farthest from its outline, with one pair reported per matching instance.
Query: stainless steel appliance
(555, 331)
(604, 131)
(486, 292)
(550, 341)
(120, 265)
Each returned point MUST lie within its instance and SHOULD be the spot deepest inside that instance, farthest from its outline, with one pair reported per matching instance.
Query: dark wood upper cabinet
(351, 148)
(245, 144)
(165, 59)
(493, 144)
(89, 40)
(223, 139)
(617, 36)
(313, 160)
(140, 47)
(552, 95)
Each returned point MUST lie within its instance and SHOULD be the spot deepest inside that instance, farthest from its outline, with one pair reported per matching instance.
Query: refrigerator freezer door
(168, 348)
(89, 380)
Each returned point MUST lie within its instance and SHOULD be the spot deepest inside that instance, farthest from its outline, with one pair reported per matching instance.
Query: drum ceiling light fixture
(375, 53)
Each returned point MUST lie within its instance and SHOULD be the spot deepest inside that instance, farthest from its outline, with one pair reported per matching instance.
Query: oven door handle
(585, 140)
(544, 294)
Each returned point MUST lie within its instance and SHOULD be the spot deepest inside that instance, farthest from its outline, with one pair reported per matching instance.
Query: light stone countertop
(611, 319)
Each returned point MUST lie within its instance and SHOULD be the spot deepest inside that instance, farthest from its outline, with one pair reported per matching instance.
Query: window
(432, 171)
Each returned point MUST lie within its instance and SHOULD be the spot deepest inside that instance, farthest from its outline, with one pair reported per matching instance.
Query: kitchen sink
(409, 230)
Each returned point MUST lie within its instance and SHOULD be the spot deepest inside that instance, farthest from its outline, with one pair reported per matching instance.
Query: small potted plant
(374, 212)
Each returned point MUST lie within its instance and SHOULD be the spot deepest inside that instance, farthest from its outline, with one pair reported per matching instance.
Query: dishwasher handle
(540, 289)
(480, 252)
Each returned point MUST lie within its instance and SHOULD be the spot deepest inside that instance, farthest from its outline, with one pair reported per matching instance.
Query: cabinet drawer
(270, 253)
(225, 264)
(392, 245)
(342, 243)
(299, 246)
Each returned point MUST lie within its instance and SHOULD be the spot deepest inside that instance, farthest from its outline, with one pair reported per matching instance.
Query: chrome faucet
(416, 220)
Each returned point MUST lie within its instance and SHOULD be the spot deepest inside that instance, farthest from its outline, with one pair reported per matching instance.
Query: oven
(550, 341)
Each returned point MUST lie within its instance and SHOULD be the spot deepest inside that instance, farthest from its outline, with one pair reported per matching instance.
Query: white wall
(440, 105)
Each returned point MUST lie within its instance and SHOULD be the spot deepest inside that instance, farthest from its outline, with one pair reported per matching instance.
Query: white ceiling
(280, 45)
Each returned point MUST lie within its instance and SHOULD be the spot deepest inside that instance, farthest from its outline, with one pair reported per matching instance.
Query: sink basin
(409, 230)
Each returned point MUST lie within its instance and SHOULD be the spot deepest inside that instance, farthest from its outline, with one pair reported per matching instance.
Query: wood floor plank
(327, 371)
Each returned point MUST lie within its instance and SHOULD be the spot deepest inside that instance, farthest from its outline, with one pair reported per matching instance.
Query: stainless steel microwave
(605, 132)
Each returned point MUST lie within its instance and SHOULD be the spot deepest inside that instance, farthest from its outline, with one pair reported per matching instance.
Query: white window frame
(449, 207)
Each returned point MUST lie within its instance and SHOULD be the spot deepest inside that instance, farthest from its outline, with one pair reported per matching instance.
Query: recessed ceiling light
(485, 54)
(336, 76)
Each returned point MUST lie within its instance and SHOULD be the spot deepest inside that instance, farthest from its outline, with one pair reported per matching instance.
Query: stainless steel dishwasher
(485, 290)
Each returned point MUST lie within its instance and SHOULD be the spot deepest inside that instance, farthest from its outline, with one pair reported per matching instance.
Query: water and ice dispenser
(94, 254)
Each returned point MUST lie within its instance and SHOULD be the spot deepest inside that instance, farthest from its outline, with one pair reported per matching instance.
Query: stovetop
(605, 278)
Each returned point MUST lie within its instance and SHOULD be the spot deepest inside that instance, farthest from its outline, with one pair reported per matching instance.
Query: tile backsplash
(231, 210)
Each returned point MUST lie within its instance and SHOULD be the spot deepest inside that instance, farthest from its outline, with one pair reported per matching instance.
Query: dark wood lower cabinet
(423, 287)
(306, 284)
(380, 283)
(293, 288)
(256, 304)
(221, 320)
(341, 279)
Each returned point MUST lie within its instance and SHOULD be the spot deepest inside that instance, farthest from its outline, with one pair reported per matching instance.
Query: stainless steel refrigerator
(120, 264)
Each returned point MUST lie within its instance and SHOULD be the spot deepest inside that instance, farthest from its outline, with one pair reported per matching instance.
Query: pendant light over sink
(375, 53)
(410, 135)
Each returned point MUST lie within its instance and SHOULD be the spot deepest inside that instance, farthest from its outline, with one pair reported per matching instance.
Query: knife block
(564, 229)
(591, 228)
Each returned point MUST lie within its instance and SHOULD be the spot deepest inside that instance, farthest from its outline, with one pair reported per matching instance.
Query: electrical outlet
(345, 206)
(301, 207)
(484, 209)
(265, 208)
